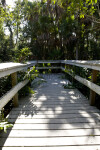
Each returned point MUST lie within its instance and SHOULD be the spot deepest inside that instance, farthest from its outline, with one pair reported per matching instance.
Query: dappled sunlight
(71, 92)
(59, 108)
(72, 101)
(73, 97)
(64, 82)
(61, 98)
(63, 114)
(41, 98)
(89, 115)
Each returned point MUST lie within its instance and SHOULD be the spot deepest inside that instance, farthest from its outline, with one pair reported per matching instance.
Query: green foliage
(23, 54)
(48, 64)
(4, 124)
(5, 84)
(31, 91)
(31, 74)
(83, 72)
(25, 91)
(69, 86)
(50, 30)
(44, 72)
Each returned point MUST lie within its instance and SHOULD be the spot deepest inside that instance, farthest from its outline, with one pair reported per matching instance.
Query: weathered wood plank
(9, 68)
(51, 112)
(56, 105)
(61, 141)
(44, 116)
(35, 108)
(48, 102)
(59, 107)
(23, 119)
(26, 125)
(70, 99)
(87, 147)
(48, 61)
(95, 65)
(51, 133)
(43, 125)
(41, 68)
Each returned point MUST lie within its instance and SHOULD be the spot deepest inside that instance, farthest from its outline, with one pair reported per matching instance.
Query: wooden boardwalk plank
(43, 115)
(26, 125)
(55, 111)
(51, 133)
(54, 141)
(34, 107)
(53, 119)
(97, 147)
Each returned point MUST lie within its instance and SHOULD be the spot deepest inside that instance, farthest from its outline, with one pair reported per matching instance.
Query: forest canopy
(50, 29)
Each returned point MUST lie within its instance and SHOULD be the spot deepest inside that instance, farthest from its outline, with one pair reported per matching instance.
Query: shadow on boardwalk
(54, 108)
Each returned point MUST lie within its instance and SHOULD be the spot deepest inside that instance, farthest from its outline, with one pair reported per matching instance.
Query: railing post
(14, 82)
(92, 93)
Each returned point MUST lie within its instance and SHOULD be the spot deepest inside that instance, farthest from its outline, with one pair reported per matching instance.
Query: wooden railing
(95, 67)
(13, 68)
(51, 62)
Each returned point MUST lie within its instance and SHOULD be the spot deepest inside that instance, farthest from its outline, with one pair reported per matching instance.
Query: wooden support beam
(14, 82)
(40, 68)
(92, 93)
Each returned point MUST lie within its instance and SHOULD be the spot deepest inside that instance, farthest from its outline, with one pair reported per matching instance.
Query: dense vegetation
(62, 29)
(49, 30)
(52, 29)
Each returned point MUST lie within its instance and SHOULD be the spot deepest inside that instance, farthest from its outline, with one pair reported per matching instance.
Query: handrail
(49, 61)
(13, 68)
(40, 68)
(9, 68)
(95, 65)
(84, 81)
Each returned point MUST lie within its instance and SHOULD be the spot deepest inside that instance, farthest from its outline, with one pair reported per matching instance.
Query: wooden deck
(53, 119)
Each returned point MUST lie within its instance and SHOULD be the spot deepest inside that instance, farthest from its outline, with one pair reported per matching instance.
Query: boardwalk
(53, 119)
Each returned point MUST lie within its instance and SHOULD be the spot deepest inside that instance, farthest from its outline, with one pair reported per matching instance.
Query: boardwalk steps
(54, 119)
